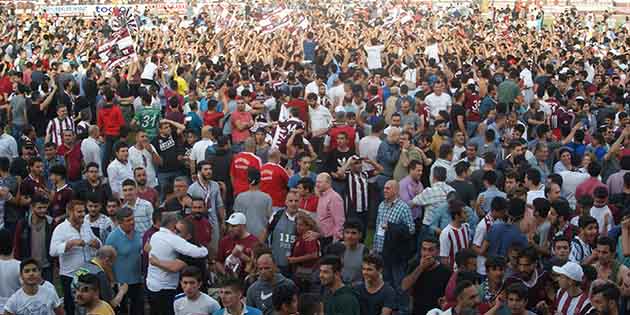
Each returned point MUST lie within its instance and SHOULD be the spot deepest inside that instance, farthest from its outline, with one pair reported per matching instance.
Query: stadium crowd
(433, 162)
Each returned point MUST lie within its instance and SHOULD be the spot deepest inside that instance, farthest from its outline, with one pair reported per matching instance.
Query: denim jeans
(394, 274)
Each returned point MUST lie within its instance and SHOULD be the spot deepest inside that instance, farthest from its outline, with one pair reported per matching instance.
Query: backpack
(275, 218)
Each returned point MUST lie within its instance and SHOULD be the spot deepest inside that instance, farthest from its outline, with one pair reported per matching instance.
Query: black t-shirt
(168, 148)
(173, 205)
(429, 287)
(372, 304)
(37, 117)
(456, 111)
(337, 159)
(464, 190)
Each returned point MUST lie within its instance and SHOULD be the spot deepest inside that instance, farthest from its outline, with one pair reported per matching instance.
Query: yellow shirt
(182, 86)
(102, 308)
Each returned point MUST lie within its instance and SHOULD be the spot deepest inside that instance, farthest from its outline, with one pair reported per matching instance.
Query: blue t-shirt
(248, 310)
(293, 180)
(502, 236)
(127, 267)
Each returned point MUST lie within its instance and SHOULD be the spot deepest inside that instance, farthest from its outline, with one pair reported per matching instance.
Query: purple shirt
(615, 182)
(409, 189)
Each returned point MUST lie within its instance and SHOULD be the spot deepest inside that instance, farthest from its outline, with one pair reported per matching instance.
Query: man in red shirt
(109, 121)
(241, 163)
(298, 102)
(274, 180)
(236, 249)
(71, 153)
(587, 187)
(61, 193)
(241, 122)
(199, 219)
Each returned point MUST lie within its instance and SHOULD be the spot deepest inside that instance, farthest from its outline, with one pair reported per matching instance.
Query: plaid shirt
(396, 212)
(431, 198)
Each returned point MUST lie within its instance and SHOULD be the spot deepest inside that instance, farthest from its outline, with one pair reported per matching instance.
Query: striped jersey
(358, 197)
(567, 305)
(56, 127)
(452, 240)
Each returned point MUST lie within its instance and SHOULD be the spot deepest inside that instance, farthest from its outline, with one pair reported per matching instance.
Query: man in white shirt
(143, 154)
(337, 93)
(34, 297)
(528, 83)
(374, 55)
(8, 145)
(438, 100)
(90, 148)
(74, 243)
(313, 86)
(148, 73)
(119, 169)
(320, 121)
(165, 246)
(198, 151)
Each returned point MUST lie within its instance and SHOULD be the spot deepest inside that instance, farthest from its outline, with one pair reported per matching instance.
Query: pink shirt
(587, 187)
(330, 214)
(239, 136)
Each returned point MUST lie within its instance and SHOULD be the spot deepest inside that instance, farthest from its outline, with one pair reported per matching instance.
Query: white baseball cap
(237, 218)
(572, 270)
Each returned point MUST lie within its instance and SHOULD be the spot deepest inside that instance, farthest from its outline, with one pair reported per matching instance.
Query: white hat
(237, 218)
(572, 270)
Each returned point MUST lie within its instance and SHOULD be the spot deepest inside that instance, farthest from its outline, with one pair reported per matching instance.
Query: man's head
(94, 204)
(122, 151)
(527, 261)
(390, 190)
(532, 178)
(305, 162)
(323, 182)
(456, 211)
(372, 268)
(30, 272)
(284, 299)
(185, 229)
(62, 111)
(495, 267)
(198, 207)
(112, 205)
(68, 137)
(107, 256)
(562, 247)
(76, 212)
(605, 250)
(352, 232)
(342, 140)
(430, 247)
(266, 267)
(489, 178)
(231, 292)
(191, 280)
(466, 260)
(517, 295)
(541, 208)
(498, 207)
(446, 152)
(588, 228)
(604, 298)
(39, 205)
(415, 170)
(140, 176)
(125, 219)
(129, 190)
(87, 291)
(237, 225)
(553, 192)
(467, 295)
(91, 171)
(439, 174)
(36, 167)
(600, 197)
(58, 174)
(330, 271)
(569, 275)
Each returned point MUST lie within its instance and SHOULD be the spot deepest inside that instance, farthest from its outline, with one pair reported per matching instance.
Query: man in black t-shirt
(375, 296)
(337, 158)
(426, 279)
(171, 152)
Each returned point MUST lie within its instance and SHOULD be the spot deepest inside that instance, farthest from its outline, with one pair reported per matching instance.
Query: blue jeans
(394, 274)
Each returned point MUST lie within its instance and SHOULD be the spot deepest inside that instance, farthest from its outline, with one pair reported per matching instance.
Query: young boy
(100, 224)
(33, 295)
(193, 301)
(581, 251)
(231, 294)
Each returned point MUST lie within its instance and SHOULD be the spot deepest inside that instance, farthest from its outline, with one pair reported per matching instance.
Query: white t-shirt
(432, 51)
(143, 158)
(149, 71)
(438, 103)
(9, 279)
(599, 214)
(311, 88)
(374, 56)
(42, 303)
(204, 304)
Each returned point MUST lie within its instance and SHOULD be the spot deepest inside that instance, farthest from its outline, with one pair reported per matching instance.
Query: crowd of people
(431, 162)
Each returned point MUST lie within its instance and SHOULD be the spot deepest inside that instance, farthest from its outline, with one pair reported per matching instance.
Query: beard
(206, 177)
(142, 182)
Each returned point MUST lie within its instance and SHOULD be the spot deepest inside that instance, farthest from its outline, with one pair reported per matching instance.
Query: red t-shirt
(212, 118)
(227, 243)
(273, 181)
(309, 204)
(73, 158)
(203, 230)
(302, 247)
(239, 136)
(149, 194)
(238, 170)
(59, 201)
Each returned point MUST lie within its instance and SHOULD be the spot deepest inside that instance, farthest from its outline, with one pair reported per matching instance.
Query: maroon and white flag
(119, 50)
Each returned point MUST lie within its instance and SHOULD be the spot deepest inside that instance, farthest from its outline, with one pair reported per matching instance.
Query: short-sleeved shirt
(239, 136)
(42, 303)
(128, 261)
(373, 303)
(502, 236)
(227, 244)
(204, 304)
(148, 119)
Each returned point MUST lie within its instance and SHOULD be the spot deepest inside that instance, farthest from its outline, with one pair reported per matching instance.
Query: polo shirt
(128, 261)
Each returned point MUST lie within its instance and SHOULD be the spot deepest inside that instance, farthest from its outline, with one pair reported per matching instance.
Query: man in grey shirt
(280, 232)
(207, 189)
(254, 204)
(408, 117)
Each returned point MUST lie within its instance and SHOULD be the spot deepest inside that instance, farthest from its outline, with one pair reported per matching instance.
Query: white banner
(119, 50)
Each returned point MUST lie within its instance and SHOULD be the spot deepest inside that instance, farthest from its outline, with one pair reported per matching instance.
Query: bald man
(393, 216)
(274, 180)
(330, 211)
(198, 152)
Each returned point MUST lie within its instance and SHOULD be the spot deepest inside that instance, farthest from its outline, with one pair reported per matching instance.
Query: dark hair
(374, 259)
(353, 223)
(530, 253)
(59, 169)
(600, 192)
(283, 294)
(455, 207)
(39, 198)
(331, 260)
(464, 255)
(499, 204)
(307, 183)
(120, 145)
(92, 164)
(439, 173)
(91, 280)
(93, 197)
(128, 182)
(556, 178)
(234, 283)
(413, 163)
(431, 239)
(490, 177)
(309, 303)
(461, 167)
(29, 261)
(445, 150)
(192, 272)
(496, 261)
(6, 242)
(585, 221)
(541, 206)
(560, 238)
(519, 289)
(460, 287)
(534, 176)
(607, 241)
(594, 169)
(203, 163)
(586, 200)
(608, 290)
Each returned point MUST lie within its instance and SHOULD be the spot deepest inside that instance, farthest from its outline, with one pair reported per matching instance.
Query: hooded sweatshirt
(259, 294)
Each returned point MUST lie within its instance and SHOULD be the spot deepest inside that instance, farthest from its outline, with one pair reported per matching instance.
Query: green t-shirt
(148, 119)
